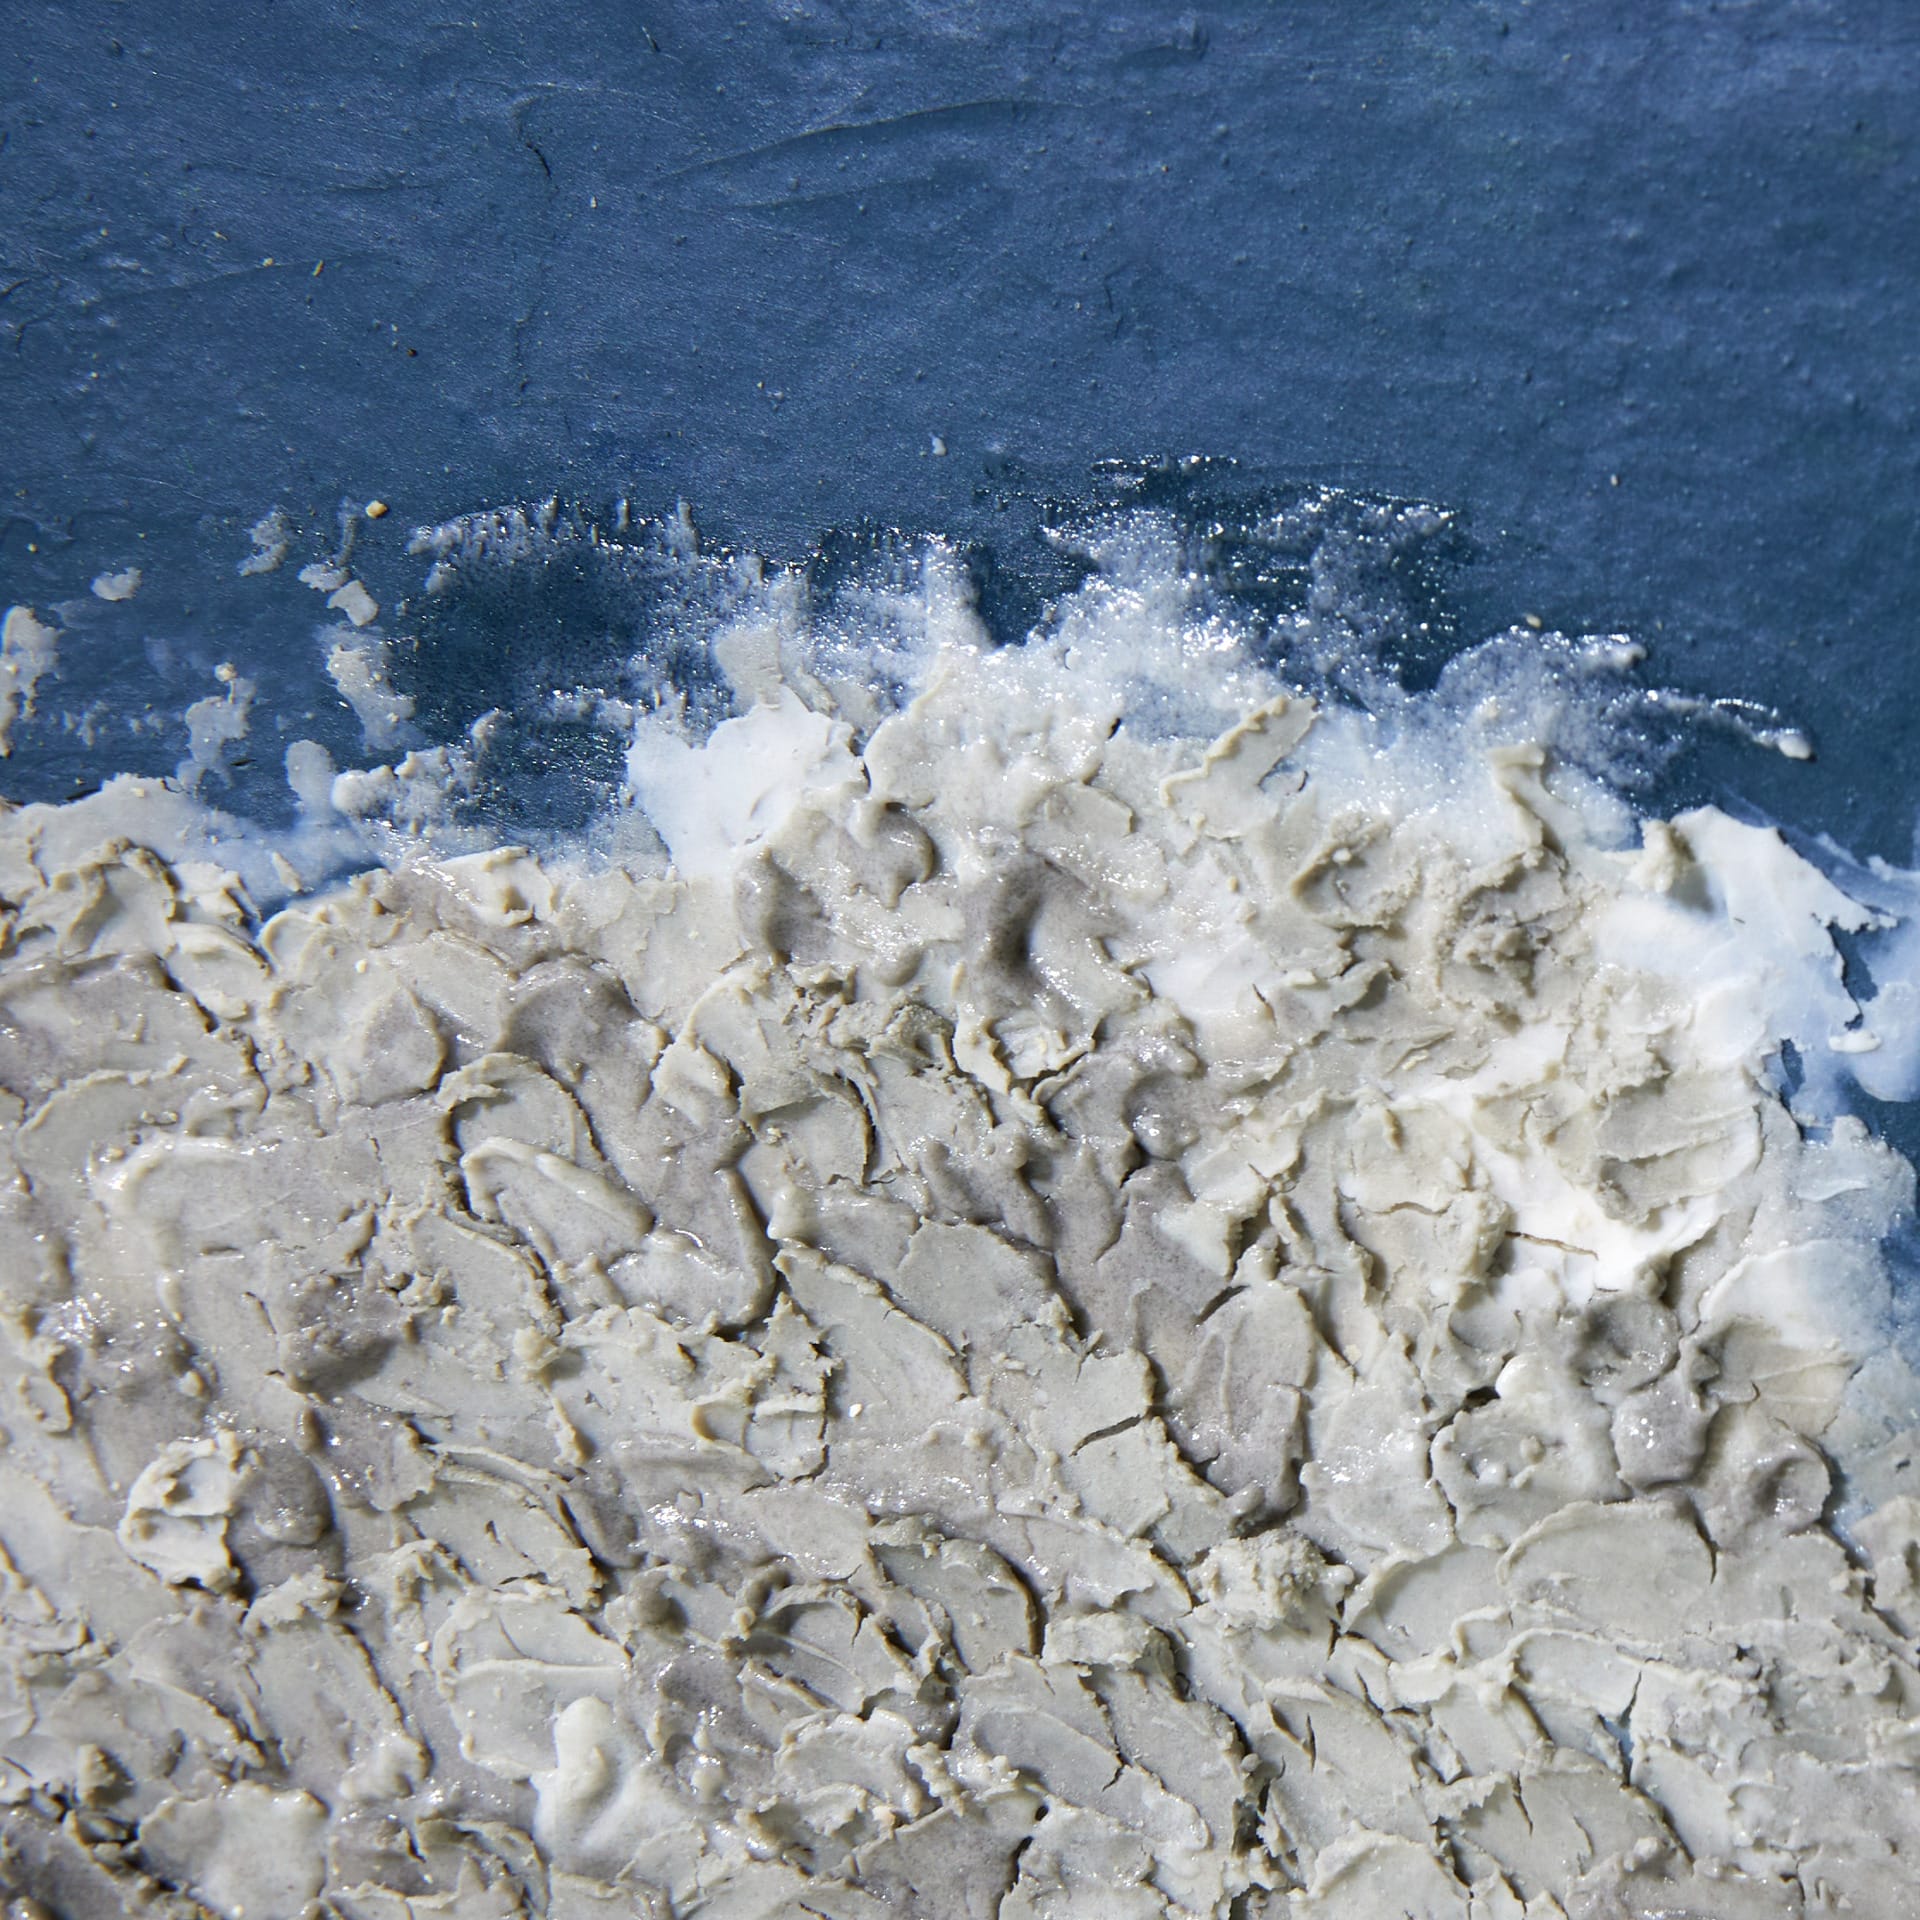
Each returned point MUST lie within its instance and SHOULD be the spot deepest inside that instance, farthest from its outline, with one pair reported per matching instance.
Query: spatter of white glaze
(1050, 1323)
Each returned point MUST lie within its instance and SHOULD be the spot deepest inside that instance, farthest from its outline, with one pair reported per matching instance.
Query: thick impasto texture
(1049, 1318)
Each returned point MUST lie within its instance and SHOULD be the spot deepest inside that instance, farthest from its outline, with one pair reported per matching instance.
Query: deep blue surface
(1635, 289)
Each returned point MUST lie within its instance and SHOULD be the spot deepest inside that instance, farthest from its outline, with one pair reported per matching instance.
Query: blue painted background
(1635, 289)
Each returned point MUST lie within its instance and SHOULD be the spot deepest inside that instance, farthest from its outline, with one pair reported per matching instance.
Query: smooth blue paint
(1494, 255)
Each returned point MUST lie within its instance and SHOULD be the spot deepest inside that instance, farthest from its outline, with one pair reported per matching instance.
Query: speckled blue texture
(1635, 289)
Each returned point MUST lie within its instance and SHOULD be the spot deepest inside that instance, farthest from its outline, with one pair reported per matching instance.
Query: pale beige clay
(1076, 1327)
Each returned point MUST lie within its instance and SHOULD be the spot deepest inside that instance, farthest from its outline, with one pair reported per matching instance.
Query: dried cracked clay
(1048, 1322)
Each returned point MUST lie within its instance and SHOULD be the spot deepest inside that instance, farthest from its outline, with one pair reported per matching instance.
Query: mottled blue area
(1635, 290)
